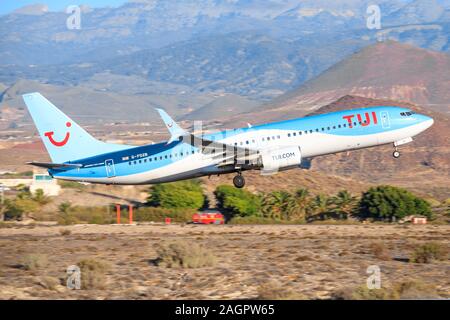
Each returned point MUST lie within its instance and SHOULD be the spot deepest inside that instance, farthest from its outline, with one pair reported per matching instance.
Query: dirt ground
(314, 261)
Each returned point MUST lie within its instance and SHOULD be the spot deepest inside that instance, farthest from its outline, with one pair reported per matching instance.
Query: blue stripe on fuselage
(94, 167)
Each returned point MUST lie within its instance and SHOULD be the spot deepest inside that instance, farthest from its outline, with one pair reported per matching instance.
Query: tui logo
(364, 123)
(61, 143)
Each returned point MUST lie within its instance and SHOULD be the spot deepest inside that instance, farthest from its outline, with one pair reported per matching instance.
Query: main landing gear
(239, 181)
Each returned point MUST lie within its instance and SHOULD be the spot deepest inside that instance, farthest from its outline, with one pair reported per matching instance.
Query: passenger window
(299, 133)
(334, 127)
(129, 163)
(339, 126)
(295, 134)
(310, 131)
(268, 138)
(289, 135)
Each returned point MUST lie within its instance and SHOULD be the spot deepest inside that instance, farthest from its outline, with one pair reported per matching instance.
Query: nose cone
(428, 121)
(425, 121)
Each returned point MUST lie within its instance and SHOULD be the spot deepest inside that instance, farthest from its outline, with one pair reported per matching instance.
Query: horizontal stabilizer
(49, 165)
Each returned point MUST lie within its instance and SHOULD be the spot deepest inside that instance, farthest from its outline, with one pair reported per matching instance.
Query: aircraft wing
(223, 154)
(49, 165)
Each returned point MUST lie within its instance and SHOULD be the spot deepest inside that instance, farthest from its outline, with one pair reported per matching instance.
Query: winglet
(175, 130)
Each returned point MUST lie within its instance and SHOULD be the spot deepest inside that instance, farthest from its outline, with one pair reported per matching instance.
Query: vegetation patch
(380, 251)
(413, 289)
(429, 252)
(93, 273)
(34, 261)
(184, 255)
(236, 201)
(49, 283)
(65, 232)
(275, 291)
(391, 203)
(182, 194)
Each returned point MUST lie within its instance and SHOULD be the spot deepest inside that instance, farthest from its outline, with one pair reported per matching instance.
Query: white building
(45, 182)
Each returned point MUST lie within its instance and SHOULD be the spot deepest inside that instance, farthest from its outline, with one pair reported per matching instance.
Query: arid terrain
(306, 261)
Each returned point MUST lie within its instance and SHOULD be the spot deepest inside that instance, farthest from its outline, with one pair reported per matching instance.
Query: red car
(208, 218)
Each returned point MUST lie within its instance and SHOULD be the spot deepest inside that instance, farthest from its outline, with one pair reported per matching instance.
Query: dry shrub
(65, 232)
(412, 289)
(303, 258)
(50, 283)
(275, 291)
(34, 261)
(380, 251)
(415, 289)
(429, 252)
(184, 255)
(93, 273)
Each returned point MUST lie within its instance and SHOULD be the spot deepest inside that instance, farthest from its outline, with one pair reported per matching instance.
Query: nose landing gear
(239, 181)
(396, 154)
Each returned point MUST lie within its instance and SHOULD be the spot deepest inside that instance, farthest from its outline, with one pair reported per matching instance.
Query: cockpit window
(407, 113)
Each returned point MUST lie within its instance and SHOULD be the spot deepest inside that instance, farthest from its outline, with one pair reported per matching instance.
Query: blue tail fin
(64, 139)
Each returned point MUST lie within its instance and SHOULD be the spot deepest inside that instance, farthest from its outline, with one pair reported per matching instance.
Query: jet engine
(276, 159)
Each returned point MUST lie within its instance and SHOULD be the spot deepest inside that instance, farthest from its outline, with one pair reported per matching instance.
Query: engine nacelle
(276, 159)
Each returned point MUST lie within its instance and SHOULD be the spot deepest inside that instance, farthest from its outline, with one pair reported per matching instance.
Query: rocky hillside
(388, 70)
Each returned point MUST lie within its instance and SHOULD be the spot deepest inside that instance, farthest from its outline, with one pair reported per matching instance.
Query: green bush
(182, 194)
(429, 252)
(159, 214)
(184, 255)
(387, 202)
(92, 215)
(237, 201)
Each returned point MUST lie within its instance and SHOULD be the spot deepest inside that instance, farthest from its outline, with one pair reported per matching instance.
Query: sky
(7, 6)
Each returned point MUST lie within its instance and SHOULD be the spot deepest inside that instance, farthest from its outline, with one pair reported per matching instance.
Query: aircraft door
(385, 123)
(110, 169)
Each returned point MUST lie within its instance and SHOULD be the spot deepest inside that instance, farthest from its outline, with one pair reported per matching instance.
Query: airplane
(271, 147)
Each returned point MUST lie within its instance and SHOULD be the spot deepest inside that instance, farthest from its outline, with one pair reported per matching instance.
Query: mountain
(260, 49)
(111, 98)
(387, 70)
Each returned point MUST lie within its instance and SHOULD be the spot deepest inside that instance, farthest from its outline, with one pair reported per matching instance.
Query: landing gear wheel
(239, 181)
(396, 154)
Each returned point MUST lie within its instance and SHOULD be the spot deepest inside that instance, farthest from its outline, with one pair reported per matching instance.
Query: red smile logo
(49, 135)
